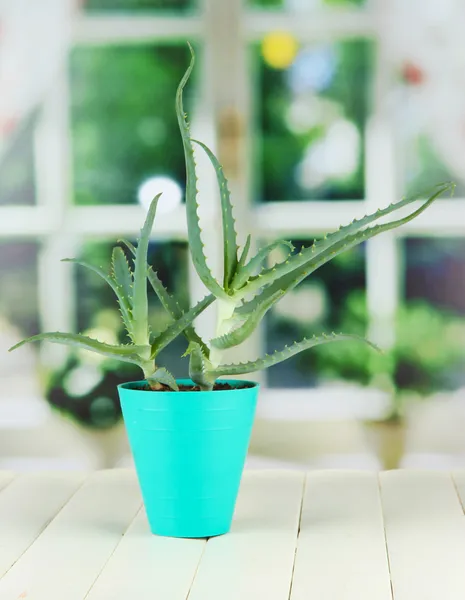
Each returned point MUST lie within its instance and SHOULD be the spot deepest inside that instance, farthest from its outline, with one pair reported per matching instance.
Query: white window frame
(224, 30)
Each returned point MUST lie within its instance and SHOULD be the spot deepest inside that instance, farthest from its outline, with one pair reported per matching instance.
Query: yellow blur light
(279, 49)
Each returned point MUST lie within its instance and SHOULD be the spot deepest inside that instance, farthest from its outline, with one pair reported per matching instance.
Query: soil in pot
(195, 388)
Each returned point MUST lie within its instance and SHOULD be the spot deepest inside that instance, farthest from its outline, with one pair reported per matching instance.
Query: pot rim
(129, 385)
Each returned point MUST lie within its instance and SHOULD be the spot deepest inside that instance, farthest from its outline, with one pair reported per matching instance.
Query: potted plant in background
(189, 438)
(427, 350)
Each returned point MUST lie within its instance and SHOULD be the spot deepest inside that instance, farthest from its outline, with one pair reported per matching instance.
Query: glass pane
(425, 165)
(17, 168)
(431, 345)
(86, 386)
(18, 319)
(312, 105)
(304, 5)
(139, 5)
(431, 146)
(123, 122)
(18, 292)
(320, 304)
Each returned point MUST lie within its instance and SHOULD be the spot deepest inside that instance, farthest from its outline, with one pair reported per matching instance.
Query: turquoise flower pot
(189, 450)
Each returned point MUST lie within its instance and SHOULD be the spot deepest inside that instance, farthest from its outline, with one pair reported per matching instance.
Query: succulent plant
(243, 278)
(248, 290)
(130, 288)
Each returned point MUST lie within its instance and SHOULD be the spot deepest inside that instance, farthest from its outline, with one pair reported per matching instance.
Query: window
(302, 104)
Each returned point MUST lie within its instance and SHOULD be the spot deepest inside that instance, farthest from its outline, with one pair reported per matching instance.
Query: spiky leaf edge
(131, 353)
(329, 250)
(280, 356)
(193, 224)
(123, 300)
(140, 307)
(169, 303)
(229, 234)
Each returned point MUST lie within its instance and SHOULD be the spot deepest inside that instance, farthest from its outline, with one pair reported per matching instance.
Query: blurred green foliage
(123, 121)
(280, 150)
(428, 352)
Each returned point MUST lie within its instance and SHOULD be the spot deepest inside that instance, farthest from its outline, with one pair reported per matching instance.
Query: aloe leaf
(170, 304)
(122, 272)
(245, 252)
(244, 273)
(241, 333)
(299, 266)
(129, 246)
(123, 300)
(139, 293)
(195, 240)
(229, 233)
(173, 330)
(130, 353)
(280, 356)
(197, 363)
(336, 242)
(164, 377)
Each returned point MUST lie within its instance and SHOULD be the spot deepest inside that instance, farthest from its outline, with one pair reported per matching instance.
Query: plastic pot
(189, 450)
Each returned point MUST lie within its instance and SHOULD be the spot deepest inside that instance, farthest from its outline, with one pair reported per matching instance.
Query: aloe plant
(247, 292)
(249, 289)
(130, 288)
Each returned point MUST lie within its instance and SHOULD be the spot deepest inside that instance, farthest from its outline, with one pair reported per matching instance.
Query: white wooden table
(328, 535)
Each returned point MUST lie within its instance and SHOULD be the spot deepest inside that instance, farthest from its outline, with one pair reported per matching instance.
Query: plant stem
(225, 312)
(149, 369)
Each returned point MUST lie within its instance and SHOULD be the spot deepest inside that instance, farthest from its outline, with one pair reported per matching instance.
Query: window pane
(425, 165)
(429, 108)
(17, 168)
(123, 120)
(301, 5)
(18, 319)
(143, 5)
(312, 107)
(86, 386)
(18, 291)
(318, 305)
(432, 339)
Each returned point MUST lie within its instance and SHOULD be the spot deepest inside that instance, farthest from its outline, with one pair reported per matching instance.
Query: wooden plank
(27, 505)
(425, 532)
(67, 558)
(255, 559)
(147, 566)
(341, 551)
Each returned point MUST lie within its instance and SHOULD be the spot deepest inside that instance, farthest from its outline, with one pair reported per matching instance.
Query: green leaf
(243, 274)
(288, 352)
(245, 252)
(195, 240)
(129, 246)
(121, 272)
(238, 335)
(197, 367)
(172, 307)
(170, 304)
(229, 233)
(130, 353)
(123, 300)
(164, 377)
(173, 330)
(139, 296)
(299, 266)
